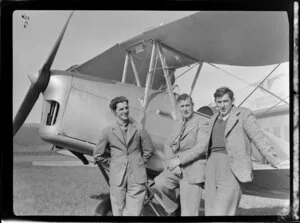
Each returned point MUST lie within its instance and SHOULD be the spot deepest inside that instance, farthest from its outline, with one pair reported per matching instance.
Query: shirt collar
(188, 119)
(123, 124)
(225, 117)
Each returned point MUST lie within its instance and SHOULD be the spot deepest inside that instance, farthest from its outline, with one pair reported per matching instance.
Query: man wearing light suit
(187, 132)
(130, 146)
(228, 154)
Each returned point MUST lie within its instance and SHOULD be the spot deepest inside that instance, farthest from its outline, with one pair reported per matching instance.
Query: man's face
(122, 111)
(224, 104)
(186, 108)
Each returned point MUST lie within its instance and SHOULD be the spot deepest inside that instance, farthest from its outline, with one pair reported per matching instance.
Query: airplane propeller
(39, 85)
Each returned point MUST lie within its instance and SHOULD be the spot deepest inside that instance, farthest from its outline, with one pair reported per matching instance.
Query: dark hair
(183, 97)
(116, 100)
(220, 92)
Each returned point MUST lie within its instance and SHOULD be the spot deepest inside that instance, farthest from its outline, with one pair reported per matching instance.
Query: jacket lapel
(176, 131)
(189, 126)
(117, 132)
(131, 131)
(232, 119)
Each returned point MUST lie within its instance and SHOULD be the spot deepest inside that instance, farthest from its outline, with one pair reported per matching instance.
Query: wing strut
(157, 51)
(149, 82)
(196, 77)
(168, 81)
(125, 68)
(137, 79)
(149, 76)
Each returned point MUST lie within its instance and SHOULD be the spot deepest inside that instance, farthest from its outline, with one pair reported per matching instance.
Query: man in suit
(130, 146)
(228, 153)
(188, 132)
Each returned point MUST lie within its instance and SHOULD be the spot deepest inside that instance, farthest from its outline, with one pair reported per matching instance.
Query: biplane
(142, 68)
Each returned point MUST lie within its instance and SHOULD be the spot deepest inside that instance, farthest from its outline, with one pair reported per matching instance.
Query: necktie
(176, 143)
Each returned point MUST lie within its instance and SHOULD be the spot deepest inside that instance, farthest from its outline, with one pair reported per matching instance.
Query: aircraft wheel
(104, 208)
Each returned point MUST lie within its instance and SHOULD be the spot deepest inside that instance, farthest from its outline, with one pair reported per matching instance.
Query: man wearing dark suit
(188, 131)
(228, 154)
(130, 146)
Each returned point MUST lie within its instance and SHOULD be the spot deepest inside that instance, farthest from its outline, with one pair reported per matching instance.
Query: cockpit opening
(51, 111)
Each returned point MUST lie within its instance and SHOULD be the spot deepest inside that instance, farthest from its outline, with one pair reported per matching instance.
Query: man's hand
(102, 160)
(177, 171)
(173, 163)
(283, 164)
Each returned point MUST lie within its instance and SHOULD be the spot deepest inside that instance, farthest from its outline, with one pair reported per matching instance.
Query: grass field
(74, 190)
(56, 190)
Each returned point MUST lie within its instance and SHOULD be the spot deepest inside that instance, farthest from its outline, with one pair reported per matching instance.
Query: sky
(91, 32)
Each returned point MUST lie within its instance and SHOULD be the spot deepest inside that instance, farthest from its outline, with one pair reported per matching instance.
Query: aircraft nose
(33, 78)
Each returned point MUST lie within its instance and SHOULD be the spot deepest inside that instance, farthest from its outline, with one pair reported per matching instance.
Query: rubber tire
(104, 208)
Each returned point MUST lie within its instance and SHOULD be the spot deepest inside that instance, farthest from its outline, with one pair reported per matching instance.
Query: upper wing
(248, 38)
(232, 38)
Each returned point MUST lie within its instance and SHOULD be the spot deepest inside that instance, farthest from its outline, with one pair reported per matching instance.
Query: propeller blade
(39, 85)
(25, 108)
(49, 61)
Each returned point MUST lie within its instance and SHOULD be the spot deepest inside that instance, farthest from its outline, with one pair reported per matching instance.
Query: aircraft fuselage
(76, 109)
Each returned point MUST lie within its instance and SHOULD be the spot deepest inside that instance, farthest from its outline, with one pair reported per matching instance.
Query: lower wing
(268, 182)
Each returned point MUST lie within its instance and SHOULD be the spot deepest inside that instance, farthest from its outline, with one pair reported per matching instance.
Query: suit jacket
(130, 154)
(240, 129)
(195, 129)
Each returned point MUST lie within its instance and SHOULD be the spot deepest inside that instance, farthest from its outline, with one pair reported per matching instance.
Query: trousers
(128, 198)
(190, 194)
(222, 189)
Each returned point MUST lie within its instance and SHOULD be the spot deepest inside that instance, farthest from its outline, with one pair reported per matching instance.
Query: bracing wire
(260, 84)
(186, 71)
